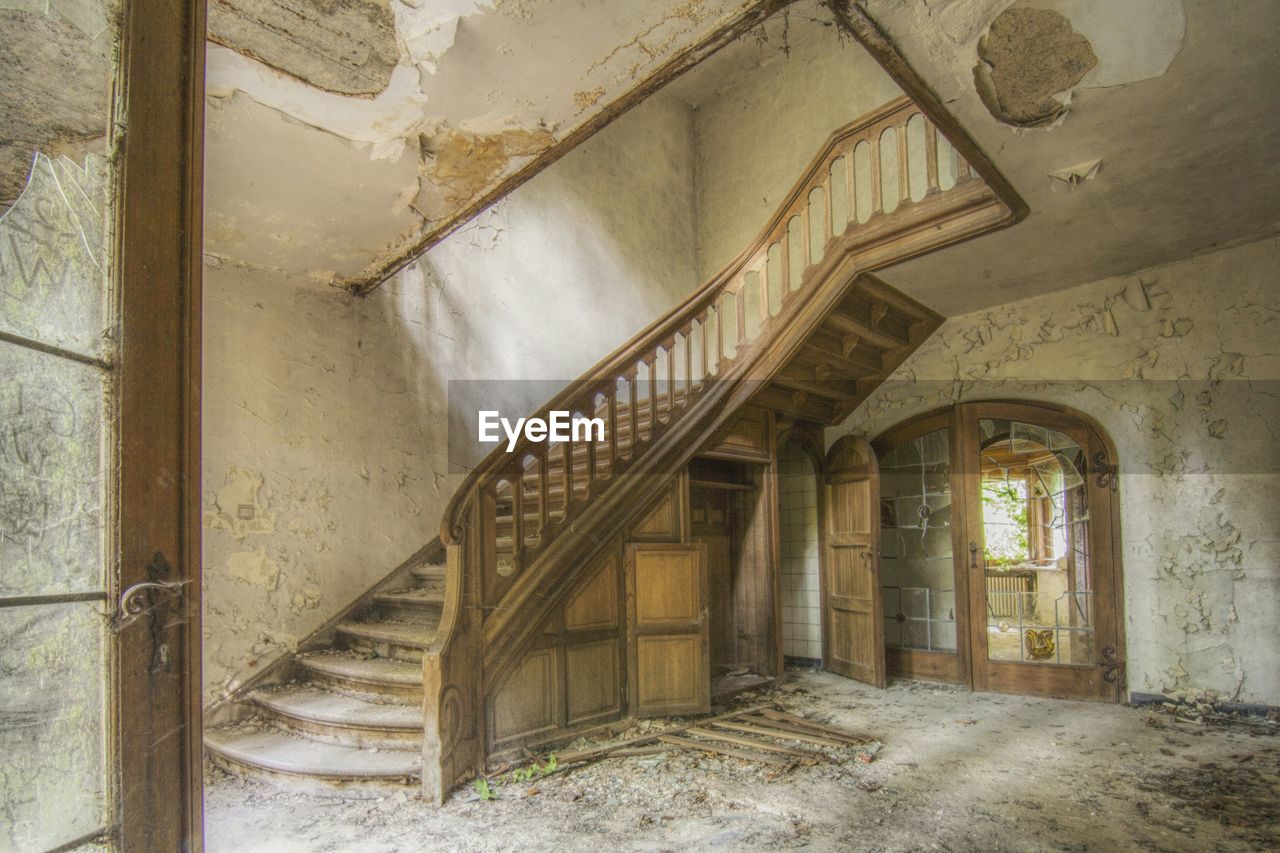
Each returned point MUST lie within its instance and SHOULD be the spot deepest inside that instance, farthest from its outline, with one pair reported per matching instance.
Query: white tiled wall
(798, 505)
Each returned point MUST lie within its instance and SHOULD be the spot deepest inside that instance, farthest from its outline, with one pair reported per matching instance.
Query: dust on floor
(957, 771)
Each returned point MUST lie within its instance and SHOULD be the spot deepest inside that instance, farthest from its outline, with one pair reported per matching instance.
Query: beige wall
(325, 419)
(755, 138)
(1179, 365)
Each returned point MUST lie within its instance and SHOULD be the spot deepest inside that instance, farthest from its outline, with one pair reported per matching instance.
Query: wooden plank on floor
(755, 743)
(772, 730)
(817, 728)
(708, 746)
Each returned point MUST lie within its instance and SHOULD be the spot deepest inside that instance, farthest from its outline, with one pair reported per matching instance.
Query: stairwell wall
(326, 416)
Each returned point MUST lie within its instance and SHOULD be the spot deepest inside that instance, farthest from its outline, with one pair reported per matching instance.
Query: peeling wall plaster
(1179, 364)
(756, 135)
(325, 416)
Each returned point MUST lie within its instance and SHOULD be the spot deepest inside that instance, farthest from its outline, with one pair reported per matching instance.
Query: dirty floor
(956, 771)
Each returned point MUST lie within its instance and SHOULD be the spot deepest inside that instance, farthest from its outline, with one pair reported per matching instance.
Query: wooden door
(668, 629)
(853, 628)
(1041, 535)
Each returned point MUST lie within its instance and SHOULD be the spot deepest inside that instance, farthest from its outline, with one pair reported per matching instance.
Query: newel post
(452, 682)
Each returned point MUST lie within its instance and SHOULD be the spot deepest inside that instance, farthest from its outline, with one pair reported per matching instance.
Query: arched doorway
(999, 551)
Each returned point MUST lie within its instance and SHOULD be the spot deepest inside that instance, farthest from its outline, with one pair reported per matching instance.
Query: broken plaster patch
(460, 166)
(1028, 58)
(238, 507)
(254, 568)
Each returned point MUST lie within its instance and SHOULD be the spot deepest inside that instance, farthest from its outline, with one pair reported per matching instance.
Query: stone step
(421, 606)
(311, 766)
(338, 718)
(398, 640)
(349, 672)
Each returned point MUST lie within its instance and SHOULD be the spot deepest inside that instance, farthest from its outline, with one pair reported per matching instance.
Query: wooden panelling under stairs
(350, 722)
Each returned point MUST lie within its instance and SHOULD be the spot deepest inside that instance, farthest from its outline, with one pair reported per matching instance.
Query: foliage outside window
(1004, 515)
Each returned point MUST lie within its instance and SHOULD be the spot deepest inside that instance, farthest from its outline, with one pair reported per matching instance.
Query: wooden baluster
(611, 424)
(517, 517)
(592, 473)
(826, 206)
(720, 333)
(544, 496)
(653, 395)
(689, 363)
(671, 378)
(851, 199)
(931, 157)
(566, 476)
(633, 410)
(804, 235)
(741, 304)
(904, 165)
(877, 185)
(784, 255)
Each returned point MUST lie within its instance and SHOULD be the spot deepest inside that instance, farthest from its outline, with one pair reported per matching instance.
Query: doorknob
(973, 554)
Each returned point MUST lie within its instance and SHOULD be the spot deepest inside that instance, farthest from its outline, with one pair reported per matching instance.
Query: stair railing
(883, 188)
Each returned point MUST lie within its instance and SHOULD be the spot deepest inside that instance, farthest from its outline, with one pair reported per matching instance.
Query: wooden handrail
(659, 334)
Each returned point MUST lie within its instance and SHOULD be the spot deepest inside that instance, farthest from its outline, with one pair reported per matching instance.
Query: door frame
(158, 744)
(1064, 681)
(1105, 543)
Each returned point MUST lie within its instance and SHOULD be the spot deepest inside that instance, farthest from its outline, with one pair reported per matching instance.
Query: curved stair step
(400, 640)
(342, 719)
(385, 678)
(420, 606)
(310, 765)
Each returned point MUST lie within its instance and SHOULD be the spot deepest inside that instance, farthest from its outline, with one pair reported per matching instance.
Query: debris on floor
(958, 771)
(1204, 707)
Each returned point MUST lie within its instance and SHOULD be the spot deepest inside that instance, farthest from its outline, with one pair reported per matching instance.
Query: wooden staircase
(408, 685)
(348, 717)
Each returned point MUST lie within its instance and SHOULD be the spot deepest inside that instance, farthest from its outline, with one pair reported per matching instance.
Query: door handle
(973, 554)
(141, 600)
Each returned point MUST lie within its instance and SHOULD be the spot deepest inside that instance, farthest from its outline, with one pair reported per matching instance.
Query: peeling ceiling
(1181, 108)
(1151, 125)
(401, 144)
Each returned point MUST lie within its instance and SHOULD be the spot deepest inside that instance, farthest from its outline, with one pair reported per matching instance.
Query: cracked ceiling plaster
(329, 185)
(1181, 108)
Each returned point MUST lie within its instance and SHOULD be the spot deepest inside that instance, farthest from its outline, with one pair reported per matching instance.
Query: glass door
(1043, 595)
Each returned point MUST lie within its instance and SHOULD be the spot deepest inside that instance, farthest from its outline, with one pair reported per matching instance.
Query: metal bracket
(1108, 475)
(1112, 666)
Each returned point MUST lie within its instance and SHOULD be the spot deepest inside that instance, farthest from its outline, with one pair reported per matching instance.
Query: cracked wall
(1179, 365)
(325, 416)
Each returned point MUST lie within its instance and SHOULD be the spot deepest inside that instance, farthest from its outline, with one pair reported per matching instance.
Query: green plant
(482, 788)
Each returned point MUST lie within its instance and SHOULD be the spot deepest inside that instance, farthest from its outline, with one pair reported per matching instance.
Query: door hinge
(1107, 475)
(1112, 666)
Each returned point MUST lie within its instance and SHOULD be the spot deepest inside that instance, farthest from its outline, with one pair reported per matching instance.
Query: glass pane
(52, 262)
(1035, 545)
(51, 725)
(917, 574)
(51, 474)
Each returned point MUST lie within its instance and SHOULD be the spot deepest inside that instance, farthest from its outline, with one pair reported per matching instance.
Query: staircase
(349, 715)
(408, 686)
